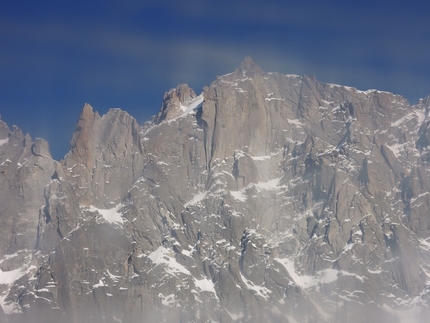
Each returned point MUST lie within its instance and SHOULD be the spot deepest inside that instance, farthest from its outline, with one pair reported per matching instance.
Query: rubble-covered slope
(267, 198)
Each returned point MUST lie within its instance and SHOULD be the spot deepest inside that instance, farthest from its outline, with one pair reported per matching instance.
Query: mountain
(266, 198)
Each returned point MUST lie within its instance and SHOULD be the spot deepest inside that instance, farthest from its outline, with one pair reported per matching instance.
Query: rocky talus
(266, 198)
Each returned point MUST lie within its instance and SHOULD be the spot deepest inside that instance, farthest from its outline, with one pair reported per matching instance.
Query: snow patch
(193, 104)
(303, 281)
(196, 198)
(267, 157)
(205, 285)
(161, 257)
(370, 91)
(8, 308)
(115, 278)
(9, 277)
(296, 122)
(6, 161)
(404, 119)
(110, 215)
(406, 315)
(418, 197)
(235, 316)
(420, 115)
(238, 195)
(259, 290)
(269, 185)
(115, 318)
(189, 252)
(168, 300)
(325, 276)
(396, 149)
(10, 256)
(4, 141)
(424, 244)
(99, 284)
(277, 99)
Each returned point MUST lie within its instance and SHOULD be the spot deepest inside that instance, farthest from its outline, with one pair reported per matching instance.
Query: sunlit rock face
(267, 198)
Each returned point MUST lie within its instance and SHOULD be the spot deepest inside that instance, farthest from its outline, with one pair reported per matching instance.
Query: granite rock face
(267, 198)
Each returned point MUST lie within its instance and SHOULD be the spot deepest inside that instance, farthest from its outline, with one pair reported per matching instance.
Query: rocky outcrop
(268, 198)
(26, 167)
(174, 103)
(105, 158)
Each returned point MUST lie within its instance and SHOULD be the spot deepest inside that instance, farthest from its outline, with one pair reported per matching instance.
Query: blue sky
(57, 55)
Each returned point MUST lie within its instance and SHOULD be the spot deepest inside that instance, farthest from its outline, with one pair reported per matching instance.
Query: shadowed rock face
(276, 199)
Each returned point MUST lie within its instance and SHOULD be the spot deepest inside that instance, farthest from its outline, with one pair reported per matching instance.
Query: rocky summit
(266, 198)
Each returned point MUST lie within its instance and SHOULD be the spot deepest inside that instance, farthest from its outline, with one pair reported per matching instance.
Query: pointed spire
(81, 143)
(173, 99)
(249, 66)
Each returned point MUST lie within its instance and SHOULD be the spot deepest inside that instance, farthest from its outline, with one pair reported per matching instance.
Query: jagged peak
(183, 92)
(424, 102)
(88, 115)
(88, 107)
(248, 66)
(79, 145)
(172, 101)
(40, 148)
(4, 127)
